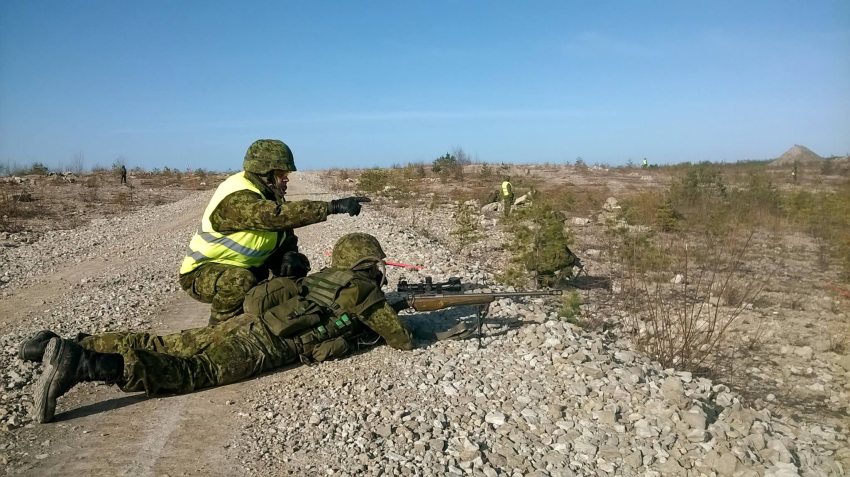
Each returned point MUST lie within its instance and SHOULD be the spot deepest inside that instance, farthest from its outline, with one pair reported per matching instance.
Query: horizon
(190, 85)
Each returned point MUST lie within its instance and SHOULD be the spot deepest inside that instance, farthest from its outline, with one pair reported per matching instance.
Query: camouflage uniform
(225, 285)
(272, 333)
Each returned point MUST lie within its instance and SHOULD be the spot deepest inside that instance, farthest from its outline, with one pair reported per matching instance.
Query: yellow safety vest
(245, 249)
(507, 189)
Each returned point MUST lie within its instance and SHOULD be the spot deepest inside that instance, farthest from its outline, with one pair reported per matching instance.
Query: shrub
(685, 326)
(571, 307)
(539, 242)
(447, 166)
(39, 169)
(581, 165)
(373, 180)
(467, 227)
(486, 171)
(699, 185)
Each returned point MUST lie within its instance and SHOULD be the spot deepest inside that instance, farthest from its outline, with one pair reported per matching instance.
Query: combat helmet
(354, 249)
(267, 155)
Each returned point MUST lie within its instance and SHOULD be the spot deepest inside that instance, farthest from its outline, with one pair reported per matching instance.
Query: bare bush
(685, 325)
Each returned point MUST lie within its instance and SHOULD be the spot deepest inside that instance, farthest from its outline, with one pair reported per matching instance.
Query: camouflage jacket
(246, 210)
(362, 299)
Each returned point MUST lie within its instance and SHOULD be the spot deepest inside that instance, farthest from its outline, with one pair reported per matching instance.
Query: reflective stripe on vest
(245, 249)
(507, 190)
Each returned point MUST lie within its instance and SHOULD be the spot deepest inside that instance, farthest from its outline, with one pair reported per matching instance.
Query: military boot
(33, 348)
(65, 364)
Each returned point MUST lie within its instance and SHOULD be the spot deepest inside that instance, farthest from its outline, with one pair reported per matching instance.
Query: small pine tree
(467, 230)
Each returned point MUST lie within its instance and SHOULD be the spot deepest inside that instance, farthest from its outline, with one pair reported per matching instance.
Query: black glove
(399, 304)
(294, 265)
(349, 205)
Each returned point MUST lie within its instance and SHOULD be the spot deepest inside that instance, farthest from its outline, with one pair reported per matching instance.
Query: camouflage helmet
(267, 155)
(353, 249)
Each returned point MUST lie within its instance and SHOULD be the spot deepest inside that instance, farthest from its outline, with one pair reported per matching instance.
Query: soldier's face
(281, 178)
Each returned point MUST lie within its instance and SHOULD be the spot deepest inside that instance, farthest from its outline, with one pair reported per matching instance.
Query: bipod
(481, 313)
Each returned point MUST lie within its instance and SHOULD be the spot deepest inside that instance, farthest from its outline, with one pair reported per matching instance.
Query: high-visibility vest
(245, 249)
(507, 189)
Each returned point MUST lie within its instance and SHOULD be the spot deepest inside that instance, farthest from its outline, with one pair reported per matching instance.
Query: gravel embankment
(541, 397)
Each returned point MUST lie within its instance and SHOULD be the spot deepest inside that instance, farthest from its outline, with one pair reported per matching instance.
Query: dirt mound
(800, 154)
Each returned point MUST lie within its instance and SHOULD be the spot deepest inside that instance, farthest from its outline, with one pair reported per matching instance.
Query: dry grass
(65, 202)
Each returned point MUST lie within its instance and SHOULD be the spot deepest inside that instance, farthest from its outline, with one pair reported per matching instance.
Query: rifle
(428, 296)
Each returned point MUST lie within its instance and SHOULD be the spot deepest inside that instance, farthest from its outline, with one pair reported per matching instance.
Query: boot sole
(41, 396)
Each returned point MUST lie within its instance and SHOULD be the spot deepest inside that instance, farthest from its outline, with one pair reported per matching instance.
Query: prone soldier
(320, 317)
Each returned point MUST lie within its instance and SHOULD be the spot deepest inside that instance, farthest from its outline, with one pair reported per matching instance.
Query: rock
(611, 204)
(844, 362)
(580, 221)
(673, 391)
(490, 208)
(643, 429)
(678, 279)
(726, 464)
(495, 418)
(782, 470)
(694, 418)
(782, 454)
(804, 352)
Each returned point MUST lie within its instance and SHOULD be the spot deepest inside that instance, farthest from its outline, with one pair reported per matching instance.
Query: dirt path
(100, 430)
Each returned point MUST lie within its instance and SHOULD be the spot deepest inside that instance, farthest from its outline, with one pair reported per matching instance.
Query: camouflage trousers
(197, 358)
(224, 286)
(507, 203)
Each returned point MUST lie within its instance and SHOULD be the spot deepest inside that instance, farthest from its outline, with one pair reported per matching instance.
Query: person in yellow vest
(247, 231)
(507, 193)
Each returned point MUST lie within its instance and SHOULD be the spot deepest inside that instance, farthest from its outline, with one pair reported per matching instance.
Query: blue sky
(191, 84)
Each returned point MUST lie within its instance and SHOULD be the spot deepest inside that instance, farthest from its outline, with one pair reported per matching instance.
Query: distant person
(794, 171)
(247, 230)
(507, 192)
(645, 164)
(325, 316)
(123, 174)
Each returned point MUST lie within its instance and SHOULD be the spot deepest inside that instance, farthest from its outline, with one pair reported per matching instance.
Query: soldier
(320, 317)
(507, 192)
(247, 230)
(123, 174)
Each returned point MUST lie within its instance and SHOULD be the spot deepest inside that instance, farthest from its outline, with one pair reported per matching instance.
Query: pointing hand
(349, 205)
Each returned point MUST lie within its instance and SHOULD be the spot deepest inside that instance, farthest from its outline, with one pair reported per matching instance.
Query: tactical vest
(321, 322)
(244, 249)
(507, 189)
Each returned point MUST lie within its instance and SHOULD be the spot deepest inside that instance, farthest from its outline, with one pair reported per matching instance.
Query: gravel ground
(541, 397)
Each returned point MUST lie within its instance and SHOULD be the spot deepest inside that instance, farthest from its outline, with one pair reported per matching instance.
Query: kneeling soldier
(316, 318)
